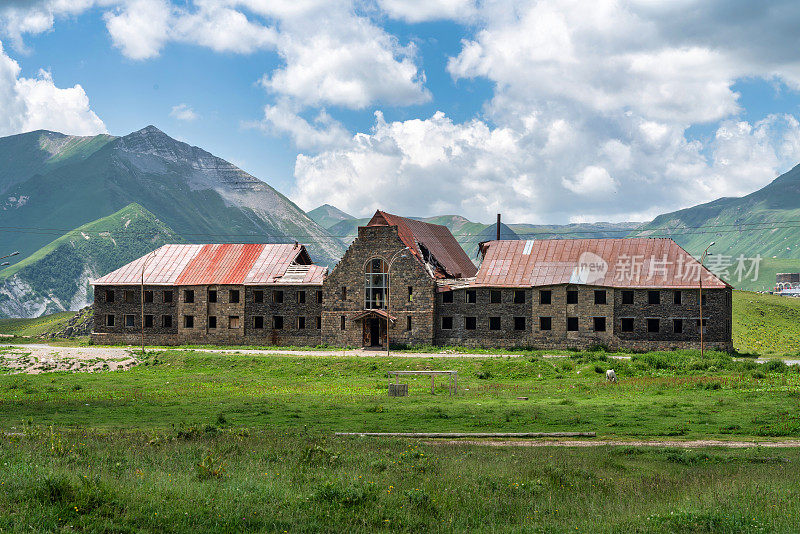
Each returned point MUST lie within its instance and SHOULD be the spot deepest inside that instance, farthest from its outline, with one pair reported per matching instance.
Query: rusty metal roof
(635, 262)
(250, 264)
(435, 238)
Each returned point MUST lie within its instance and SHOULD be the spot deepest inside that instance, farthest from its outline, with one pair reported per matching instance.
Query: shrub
(211, 466)
(483, 375)
(776, 366)
(343, 495)
(317, 456)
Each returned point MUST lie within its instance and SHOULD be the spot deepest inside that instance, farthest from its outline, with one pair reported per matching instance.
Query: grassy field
(766, 324)
(35, 327)
(193, 441)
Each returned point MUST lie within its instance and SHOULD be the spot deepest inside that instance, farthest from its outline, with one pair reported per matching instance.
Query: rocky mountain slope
(59, 183)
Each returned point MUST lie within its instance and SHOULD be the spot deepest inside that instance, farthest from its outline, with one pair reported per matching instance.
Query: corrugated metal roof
(635, 262)
(436, 238)
(250, 264)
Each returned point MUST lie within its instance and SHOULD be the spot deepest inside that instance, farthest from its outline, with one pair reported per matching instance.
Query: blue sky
(548, 112)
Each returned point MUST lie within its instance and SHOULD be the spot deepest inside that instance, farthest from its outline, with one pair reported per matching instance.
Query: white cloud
(36, 103)
(183, 112)
(284, 119)
(427, 10)
(435, 166)
(140, 27)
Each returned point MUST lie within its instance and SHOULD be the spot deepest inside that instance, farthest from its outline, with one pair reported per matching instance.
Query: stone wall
(406, 271)
(482, 310)
(301, 321)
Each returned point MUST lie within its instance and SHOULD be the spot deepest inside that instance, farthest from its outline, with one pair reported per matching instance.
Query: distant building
(786, 281)
(410, 281)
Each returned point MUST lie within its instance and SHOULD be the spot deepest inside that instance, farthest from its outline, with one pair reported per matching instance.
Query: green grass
(232, 480)
(37, 326)
(201, 442)
(766, 324)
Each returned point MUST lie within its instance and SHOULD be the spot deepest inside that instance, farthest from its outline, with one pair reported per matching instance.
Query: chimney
(498, 227)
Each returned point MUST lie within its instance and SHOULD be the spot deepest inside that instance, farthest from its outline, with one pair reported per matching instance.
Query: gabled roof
(635, 262)
(249, 264)
(429, 243)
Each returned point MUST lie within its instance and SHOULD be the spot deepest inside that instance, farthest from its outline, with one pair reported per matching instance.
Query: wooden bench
(452, 378)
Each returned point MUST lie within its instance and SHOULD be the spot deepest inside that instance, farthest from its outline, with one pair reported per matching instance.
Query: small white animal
(611, 376)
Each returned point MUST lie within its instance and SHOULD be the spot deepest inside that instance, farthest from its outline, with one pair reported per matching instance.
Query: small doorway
(374, 332)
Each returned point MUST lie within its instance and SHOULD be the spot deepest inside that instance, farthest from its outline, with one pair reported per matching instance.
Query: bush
(776, 366)
(211, 466)
(344, 495)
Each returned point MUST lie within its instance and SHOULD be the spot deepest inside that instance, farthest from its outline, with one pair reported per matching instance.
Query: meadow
(196, 441)
(204, 442)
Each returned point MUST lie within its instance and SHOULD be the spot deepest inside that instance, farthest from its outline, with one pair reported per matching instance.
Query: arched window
(376, 284)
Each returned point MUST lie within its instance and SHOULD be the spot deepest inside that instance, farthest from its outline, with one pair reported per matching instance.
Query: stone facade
(411, 294)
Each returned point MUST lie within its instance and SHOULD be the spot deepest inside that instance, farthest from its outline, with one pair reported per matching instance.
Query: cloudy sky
(549, 112)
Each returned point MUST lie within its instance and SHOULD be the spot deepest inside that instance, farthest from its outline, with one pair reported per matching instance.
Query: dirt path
(693, 444)
(35, 359)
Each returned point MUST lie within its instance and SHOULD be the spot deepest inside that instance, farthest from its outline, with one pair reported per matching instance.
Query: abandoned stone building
(408, 282)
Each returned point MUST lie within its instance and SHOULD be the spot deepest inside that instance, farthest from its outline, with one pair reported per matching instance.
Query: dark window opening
(494, 323)
(677, 326)
(188, 296)
(572, 296)
(301, 297)
(653, 325)
(277, 296)
(233, 295)
(704, 299)
(572, 324)
(167, 296)
(212, 295)
(128, 296)
(447, 323)
(233, 321)
(471, 296)
(212, 322)
(545, 296)
(600, 296)
(109, 295)
(148, 296)
(342, 325)
(301, 323)
(599, 324)
(318, 322)
(344, 295)
(130, 320)
(705, 325)
(109, 320)
(470, 323)
(258, 322)
(148, 321)
(188, 321)
(654, 297)
(626, 325)
(408, 323)
(410, 293)
(545, 323)
(319, 297)
(495, 296)
(677, 298)
(627, 297)
(519, 323)
(258, 296)
(447, 297)
(166, 321)
(519, 297)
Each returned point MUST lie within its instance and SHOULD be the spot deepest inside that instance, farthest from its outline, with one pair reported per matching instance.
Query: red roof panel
(636, 262)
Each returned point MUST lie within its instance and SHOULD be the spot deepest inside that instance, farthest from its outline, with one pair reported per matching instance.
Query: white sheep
(611, 376)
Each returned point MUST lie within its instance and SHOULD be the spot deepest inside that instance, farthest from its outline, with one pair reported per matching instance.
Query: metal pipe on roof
(498, 227)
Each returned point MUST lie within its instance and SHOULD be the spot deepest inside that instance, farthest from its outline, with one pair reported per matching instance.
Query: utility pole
(146, 260)
(702, 267)
(399, 253)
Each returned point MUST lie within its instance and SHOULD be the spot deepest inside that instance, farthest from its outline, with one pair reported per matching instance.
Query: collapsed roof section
(432, 244)
(247, 264)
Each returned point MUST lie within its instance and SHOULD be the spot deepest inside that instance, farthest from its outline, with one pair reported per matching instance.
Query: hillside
(327, 215)
(201, 197)
(56, 277)
(766, 324)
(764, 222)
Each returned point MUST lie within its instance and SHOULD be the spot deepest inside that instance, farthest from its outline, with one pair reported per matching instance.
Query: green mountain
(58, 183)
(765, 222)
(56, 277)
(327, 215)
